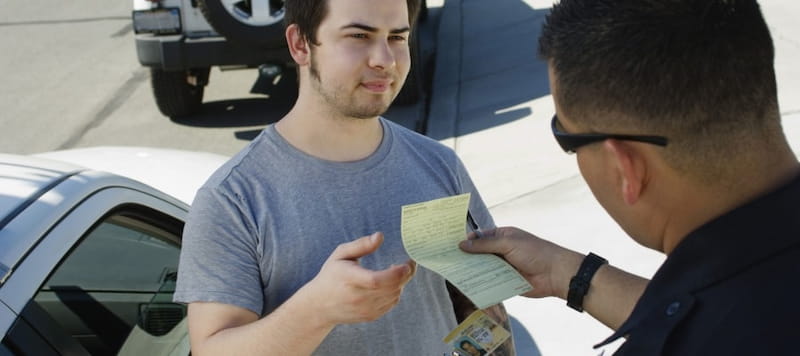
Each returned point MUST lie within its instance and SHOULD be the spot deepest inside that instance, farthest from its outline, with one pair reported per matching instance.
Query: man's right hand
(345, 292)
(547, 266)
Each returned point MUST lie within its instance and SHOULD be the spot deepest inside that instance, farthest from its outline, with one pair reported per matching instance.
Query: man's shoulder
(242, 166)
(744, 314)
(417, 140)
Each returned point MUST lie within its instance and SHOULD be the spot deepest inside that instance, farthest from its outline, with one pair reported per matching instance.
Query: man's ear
(631, 168)
(298, 46)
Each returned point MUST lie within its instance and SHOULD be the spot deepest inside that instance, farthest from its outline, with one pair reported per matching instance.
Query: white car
(89, 246)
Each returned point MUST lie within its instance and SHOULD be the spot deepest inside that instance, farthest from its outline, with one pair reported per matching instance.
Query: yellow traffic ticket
(431, 232)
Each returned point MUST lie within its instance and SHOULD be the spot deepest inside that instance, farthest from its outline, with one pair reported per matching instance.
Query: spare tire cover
(252, 22)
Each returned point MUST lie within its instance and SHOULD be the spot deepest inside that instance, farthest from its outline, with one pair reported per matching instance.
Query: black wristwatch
(579, 284)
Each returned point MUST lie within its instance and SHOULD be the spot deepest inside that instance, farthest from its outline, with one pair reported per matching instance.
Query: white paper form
(431, 232)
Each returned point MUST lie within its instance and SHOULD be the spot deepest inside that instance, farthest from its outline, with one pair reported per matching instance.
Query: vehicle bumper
(177, 52)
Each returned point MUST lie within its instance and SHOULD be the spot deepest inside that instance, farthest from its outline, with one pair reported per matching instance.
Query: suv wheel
(258, 22)
(179, 93)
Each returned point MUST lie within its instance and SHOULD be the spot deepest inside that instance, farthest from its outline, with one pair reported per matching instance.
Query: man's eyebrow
(400, 30)
(368, 28)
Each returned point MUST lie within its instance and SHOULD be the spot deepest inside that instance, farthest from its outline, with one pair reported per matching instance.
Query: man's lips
(378, 86)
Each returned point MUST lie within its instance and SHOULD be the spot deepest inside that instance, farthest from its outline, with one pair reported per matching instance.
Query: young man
(267, 265)
(671, 109)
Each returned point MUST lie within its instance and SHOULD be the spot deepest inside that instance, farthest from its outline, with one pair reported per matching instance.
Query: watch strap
(579, 284)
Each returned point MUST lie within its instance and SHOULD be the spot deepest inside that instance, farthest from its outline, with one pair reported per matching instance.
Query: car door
(101, 281)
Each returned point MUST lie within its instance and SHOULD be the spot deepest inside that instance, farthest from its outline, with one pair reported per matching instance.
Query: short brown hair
(308, 14)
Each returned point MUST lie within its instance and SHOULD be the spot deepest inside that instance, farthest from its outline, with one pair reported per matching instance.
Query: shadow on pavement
(489, 66)
(279, 96)
(237, 113)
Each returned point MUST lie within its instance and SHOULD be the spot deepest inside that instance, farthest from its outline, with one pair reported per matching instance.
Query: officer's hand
(547, 266)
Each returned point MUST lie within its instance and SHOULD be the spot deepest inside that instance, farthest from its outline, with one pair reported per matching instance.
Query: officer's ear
(631, 167)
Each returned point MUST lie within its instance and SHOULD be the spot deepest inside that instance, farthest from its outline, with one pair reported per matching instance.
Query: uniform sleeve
(219, 259)
(477, 207)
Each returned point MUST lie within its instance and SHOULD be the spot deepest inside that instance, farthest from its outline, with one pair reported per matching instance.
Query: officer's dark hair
(308, 14)
(699, 72)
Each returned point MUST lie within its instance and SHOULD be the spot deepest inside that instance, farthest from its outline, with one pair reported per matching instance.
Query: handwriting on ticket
(431, 232)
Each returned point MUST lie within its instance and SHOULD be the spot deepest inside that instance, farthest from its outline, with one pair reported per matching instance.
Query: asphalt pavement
(491, 103)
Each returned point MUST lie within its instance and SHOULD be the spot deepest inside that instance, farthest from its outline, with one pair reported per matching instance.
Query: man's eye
(358, 35)
(397, 38)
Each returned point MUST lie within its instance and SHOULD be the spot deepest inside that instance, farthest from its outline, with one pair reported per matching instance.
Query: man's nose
(382, 56)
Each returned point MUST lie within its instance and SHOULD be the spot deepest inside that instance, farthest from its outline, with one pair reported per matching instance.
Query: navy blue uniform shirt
(730, 287)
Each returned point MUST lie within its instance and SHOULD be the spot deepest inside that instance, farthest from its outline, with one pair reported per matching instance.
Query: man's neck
(702, 203)
(330, 138)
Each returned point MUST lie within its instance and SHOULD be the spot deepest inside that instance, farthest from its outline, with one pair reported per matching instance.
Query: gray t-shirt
(266, 221)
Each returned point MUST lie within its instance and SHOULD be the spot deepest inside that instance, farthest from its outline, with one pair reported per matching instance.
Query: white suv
(180, 40)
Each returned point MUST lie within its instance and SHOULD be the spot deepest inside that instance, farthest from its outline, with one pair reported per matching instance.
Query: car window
(117, 282)
(120, 254)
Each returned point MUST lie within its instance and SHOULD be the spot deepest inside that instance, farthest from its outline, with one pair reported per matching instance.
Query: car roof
(22, 179)
(49, 185)
(28, 183)
(175, 172)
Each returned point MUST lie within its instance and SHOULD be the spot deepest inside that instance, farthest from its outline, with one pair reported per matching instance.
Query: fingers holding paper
(542, 263)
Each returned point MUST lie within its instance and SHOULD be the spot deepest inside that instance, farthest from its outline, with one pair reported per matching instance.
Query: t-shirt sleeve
(219, 254)
(477, 208)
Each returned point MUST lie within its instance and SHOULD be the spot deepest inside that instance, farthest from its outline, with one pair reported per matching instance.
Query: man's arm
(549, 267)
(343, 292)
(217, 329)
(463, 307)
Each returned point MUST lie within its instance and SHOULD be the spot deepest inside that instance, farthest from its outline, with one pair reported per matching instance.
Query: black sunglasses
(571, 142)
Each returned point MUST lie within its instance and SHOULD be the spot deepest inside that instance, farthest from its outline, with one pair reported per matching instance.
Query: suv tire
(239, 22)
(175, 95)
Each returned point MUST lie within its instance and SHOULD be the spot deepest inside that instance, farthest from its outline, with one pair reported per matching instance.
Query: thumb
(356, 249)
(484, 245)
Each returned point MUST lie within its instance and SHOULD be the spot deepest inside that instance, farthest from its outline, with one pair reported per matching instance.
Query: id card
(478, 335)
